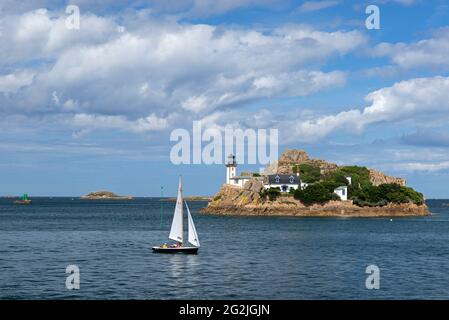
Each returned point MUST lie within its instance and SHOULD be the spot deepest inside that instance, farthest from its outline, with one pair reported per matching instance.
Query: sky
(92, 108)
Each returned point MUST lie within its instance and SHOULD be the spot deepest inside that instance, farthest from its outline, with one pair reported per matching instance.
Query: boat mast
(182, 211)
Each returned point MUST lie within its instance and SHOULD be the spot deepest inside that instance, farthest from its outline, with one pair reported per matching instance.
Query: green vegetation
(271, 193)
(361, 190)
(308, 173)
(385, 193)
(315, 193)
(359, 178)
(255, 174)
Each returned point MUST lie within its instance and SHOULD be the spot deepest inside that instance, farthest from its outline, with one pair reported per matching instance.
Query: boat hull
(185, 250)
(22, 202)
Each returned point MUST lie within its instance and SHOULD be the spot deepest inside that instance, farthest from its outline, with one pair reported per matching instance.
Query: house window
(343, 192)
(292, 179)
(277, 179)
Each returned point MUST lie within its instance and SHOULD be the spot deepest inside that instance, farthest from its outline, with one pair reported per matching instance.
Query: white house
(342, 192)
(282, 181)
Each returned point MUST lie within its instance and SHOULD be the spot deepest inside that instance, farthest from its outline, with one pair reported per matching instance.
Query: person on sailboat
(176, 245)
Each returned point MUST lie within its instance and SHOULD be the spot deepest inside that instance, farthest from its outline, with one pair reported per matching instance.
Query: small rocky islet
(104, 195)
(371, 193)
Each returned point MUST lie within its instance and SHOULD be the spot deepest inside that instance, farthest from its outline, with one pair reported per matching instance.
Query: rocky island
(105, 195)
(299, 186)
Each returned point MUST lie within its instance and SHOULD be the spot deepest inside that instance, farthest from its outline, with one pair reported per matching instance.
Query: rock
(294, 156)
(272, 168)
(290, 158)
(105, 195)
(287, 206)
(378, 178)
(253, 185)
(233, 195)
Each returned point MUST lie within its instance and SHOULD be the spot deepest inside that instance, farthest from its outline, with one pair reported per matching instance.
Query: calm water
(240, 258)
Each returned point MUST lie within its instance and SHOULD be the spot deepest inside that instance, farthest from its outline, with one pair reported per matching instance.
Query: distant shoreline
(189, 198)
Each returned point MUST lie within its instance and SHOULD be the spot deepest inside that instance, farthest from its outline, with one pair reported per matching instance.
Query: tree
(386, 193)
(308, 173)
(315, 193)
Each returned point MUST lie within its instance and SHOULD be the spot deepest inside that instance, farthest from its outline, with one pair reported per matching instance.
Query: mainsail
(193, 236)
(176, 231)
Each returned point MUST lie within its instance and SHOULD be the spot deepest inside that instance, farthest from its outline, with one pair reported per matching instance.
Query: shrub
(308, 173)
(384, 193)
(414, 196)
(271, 193)
(359, 175)
(361, 190)
(315, 193)
(359, 179)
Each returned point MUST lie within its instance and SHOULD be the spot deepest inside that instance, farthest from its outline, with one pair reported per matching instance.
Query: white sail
(176, 231)
(193, 236)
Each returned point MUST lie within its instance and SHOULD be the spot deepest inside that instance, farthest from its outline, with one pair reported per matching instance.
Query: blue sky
(89, 109)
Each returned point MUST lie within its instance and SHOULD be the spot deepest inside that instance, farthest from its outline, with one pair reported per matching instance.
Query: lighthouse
(231, 167)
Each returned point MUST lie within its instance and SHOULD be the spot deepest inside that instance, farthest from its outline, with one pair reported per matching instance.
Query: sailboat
(177, 230)
(23, 200)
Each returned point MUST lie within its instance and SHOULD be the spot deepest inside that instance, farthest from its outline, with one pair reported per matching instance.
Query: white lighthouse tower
(231, 167)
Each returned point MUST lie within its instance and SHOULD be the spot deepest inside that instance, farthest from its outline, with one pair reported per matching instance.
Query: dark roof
(283, 179)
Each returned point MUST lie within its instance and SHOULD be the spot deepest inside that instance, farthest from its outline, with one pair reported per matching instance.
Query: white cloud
(404, 100)
(301, 83)
(424, 166)
(12, 82)
(141, 125)
(41, 34)
(162, 68)
(428, 53)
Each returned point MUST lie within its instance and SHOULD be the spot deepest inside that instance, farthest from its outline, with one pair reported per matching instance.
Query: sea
(109, 243)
